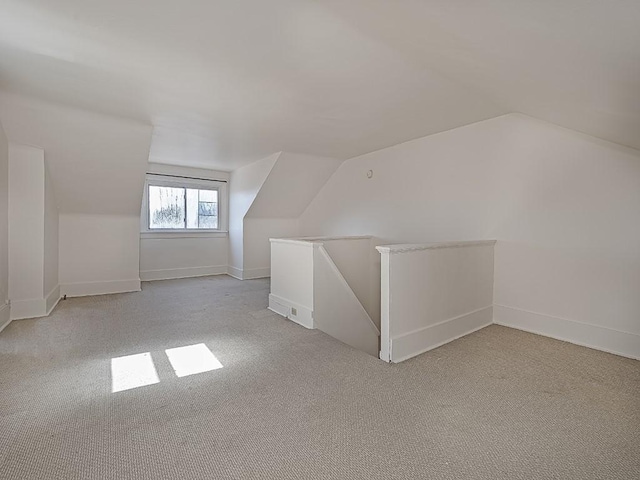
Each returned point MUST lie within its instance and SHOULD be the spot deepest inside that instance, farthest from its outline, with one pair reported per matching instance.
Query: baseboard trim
(188, 272)
(52, 299)
(422, 340)
(29, 308)
(83, 289)
(35, 307)
(282, 306)
(234, 272)
(606, 339)
(253, 273)
(248, 273)
(5, 316)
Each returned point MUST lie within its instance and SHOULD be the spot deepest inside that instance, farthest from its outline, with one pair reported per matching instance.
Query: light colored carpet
(290, 403)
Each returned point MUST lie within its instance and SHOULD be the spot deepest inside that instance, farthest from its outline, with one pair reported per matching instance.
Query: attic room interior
(327, 239)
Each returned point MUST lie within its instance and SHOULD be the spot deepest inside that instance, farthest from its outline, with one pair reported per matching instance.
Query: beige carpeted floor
(290, 403)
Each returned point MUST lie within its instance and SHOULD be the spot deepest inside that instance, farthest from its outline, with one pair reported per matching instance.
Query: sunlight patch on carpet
(192, 359)
(132, 371)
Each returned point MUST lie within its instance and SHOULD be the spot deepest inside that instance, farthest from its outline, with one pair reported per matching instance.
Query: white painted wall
(4, 229)
(291, 184)
(178, 254)
(337, 310)
(257, 232)
(244, 185)
(99, 254)
(97, 162)
(97, 165)
(433, 294)
(359, 263)
(51, 247)
(435, 188)
(180, 171)
(308, 287)
(562, 202)
(26, 230)
(33, 234)
(292, 280)
(568, 263)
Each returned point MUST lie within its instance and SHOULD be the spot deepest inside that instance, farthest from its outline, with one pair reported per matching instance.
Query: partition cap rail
(317, 240)
(415, 247)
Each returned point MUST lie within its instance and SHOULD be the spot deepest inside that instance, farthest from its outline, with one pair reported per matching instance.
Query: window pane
(209, 196)
(192, 208)
(208, 222)
(208, 209)
(166, 207)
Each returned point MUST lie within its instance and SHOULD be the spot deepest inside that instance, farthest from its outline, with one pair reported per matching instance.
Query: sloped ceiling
(575, 63)
(228, 82)
(97, 162)
(292, 183)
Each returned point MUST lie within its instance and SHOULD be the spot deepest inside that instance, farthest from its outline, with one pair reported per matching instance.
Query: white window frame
(158, 180)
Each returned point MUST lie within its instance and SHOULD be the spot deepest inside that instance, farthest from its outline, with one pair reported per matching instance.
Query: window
(182, 204)
(171, 208)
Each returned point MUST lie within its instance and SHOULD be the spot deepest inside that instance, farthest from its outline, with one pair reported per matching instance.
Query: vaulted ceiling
(225, 82)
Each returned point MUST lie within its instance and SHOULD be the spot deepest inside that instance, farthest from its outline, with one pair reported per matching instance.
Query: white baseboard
(593, 336)
(234, 272)
(172, 273)
(29, 308)
(82, 289)
(35, 307)
(303, 315)
(5, 316)
(52, 299)
(248, 273)
(252, 273)
(424, 339)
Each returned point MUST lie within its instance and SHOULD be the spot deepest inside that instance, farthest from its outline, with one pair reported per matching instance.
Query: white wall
(4, 229)
(568, 263)
(33, 234)
(245, 183)
(564, 207)
(359, 264)
(257, 232)
(434, 188)
(291, 184)
(51, 247)
(97, 165)
(310, 289)
(433, 294)
(171, 256)
(336, 309)
(266, 199)
(26, 230)
(178, 254)
(99, 254)
(292, 280)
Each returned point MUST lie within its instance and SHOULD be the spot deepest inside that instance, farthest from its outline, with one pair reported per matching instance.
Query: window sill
(182, 234)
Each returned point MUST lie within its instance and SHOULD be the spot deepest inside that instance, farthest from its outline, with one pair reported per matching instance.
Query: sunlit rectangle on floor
(132, 371)
(192, 359)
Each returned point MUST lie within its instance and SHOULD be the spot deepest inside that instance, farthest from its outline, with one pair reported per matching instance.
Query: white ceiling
(229, 81)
